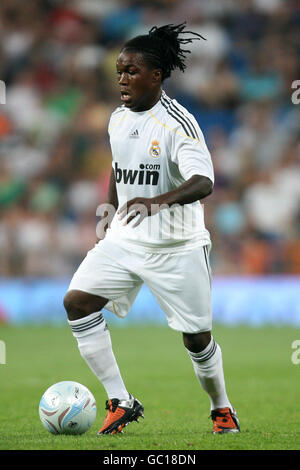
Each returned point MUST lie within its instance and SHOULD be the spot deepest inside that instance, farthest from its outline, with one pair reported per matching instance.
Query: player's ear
(156, 75)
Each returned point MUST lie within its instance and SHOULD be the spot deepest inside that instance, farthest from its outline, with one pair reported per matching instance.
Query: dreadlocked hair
(161, 47)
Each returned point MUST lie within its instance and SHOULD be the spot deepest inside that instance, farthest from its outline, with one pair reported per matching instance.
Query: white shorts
(180, 282)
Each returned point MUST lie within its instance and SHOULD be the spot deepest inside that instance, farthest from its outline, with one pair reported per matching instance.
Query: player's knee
(79, 304)
(196, 342)
(74, 306)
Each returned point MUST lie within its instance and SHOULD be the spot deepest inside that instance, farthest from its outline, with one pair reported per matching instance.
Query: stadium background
(57, 59)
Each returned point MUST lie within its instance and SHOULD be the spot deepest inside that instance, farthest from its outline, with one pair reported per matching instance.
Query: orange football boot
(120, 413)
(225, 420)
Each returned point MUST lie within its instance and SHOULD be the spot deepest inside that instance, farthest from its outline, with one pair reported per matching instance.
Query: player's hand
(138, 208)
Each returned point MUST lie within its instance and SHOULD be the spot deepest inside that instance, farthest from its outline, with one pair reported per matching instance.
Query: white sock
(95, 347)
(208, 367)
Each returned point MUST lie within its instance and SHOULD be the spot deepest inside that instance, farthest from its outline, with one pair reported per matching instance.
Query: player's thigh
(182, 286)
(101, 275)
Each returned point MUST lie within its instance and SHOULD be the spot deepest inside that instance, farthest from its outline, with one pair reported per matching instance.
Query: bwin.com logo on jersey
(146, 174)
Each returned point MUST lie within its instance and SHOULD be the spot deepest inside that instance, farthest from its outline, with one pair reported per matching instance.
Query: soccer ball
(67, 408)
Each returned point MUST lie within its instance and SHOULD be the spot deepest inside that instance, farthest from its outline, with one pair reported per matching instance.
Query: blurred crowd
(57, 59)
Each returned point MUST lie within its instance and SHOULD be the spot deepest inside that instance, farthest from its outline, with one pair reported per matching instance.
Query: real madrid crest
(155, 149)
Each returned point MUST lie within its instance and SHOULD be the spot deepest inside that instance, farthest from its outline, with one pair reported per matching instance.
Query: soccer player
(161, 170)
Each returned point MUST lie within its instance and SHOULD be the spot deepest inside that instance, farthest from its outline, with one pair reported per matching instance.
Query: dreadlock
(161, 47)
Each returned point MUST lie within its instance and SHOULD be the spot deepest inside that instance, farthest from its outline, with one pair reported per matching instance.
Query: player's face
(139, 84)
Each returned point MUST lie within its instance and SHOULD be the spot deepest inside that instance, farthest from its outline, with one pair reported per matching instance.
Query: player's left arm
(194, 189)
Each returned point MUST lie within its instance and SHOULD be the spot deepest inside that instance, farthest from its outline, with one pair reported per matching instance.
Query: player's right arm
(112, 195)
(108, 209)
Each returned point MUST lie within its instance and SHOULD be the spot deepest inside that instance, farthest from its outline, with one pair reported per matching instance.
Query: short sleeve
(192, 155)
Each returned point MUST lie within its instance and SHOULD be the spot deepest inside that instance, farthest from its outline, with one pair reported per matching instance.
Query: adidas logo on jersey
(134, 135)
(146, 174)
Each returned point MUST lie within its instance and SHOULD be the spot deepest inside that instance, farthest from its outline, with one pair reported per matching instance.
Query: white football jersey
(153, 152)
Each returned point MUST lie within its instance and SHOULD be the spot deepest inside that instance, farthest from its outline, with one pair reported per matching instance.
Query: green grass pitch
(262, 383)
